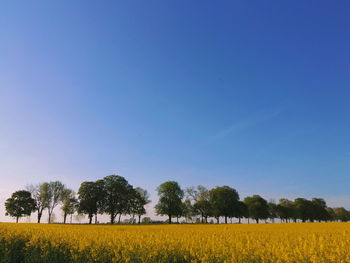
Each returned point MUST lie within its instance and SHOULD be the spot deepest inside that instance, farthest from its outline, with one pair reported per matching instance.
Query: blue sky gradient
(254, 95)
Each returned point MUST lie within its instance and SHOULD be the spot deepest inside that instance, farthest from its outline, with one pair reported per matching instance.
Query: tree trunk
(239, 220)
(49, 218)
(225, 219)
(17, 219)
(139, 219)
(64, 218)
(257, 220)
(248, 220)
(90, 219)
(95, 218)
(112, 218)
(39, 216)
(169, 219)
(120, 215)
(217, 220)
(206, 219)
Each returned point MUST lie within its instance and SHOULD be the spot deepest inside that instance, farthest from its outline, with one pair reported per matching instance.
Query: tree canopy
(224, 202)
(170, 199)
(20, 204)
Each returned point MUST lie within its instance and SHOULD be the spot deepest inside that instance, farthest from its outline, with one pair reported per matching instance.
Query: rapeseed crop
(284, 243)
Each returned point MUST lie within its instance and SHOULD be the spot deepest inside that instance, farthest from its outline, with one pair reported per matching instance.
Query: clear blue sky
(251, 94)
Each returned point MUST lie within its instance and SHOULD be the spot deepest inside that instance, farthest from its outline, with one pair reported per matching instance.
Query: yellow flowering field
(293, 242)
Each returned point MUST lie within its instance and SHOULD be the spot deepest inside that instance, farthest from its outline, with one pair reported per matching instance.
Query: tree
(40, 195)
(91, 195)
(200, 199)
(272, 210)
(331, 214)
(146, 220)
(319, 209)
(141, 198)
(224, 202)
(204, 208)
(197, 193)
(257, 207)
(55, 190)
(170, 199)
(101, 194)
(188, 210)
(341, 214)
(69, 203)
(20, 204)
(286, 210)
(304, 209)
(117, 196)
(242, 211)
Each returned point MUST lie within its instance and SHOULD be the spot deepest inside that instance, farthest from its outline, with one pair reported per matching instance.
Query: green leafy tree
(341, 214)
(272, 211)
(242, 211)
(319, 209)
(170, 199)
(118, 193)
(91, 195)
(257, 207)
(69, 203)
(286, 210)
(304, 209)
(188, 211)
(54, 194)
(141, 198)
(200, 200)
(331, 214)
(20, 204)
(204, 208)
(224, 202)
(40, 194)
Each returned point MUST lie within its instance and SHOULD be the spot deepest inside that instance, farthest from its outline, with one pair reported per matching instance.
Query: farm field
(293, 242)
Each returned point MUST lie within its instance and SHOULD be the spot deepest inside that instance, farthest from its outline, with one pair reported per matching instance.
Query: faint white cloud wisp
(238, 127)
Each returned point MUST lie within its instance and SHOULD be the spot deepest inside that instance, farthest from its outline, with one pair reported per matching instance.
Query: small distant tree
(257, 207)
(69, 203)
(20, 204)
(55, 190)
(146, 220)
(170, 199)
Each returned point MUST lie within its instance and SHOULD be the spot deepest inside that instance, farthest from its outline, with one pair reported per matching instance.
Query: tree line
(114, 196)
